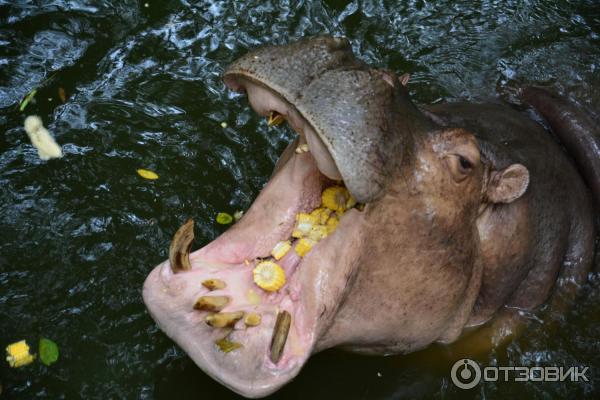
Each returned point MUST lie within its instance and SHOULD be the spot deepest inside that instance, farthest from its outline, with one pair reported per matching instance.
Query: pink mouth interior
(270, 220)
(170, 297)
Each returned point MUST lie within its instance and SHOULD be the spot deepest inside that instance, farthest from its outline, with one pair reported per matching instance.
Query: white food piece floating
(41, 139)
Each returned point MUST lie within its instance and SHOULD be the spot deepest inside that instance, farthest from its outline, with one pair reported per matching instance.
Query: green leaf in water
(48, 351)
(224, 218)
(27, 99)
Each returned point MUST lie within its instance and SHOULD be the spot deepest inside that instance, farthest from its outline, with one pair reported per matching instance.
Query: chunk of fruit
(17, 354)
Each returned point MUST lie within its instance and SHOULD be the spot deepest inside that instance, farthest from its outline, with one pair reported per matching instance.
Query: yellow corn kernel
(269, 276)
(281, 249)
(17, 354)
(303, 246)
(321, 215)
(332, 224)
(335, 198)
(304, 223)
(318, 232)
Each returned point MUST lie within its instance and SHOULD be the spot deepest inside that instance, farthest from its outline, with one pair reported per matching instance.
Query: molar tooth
(303, 148)
(252, 319)
(179, 251)
(214, 284)
(280, 334)
(211, 303)
(223, 319)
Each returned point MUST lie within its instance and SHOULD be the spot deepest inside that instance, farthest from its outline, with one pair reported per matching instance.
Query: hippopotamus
(466, 214)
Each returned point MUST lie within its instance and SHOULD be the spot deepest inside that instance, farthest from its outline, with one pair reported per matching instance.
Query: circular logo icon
(465, 373)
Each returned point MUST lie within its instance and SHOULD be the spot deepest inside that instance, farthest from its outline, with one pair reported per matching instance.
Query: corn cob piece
(332, 224)
(304, 223)
(321, 215)
(335, 198)
(304, 245)
(281, 249)
(17, 354)
(269, 276)
(318, 232)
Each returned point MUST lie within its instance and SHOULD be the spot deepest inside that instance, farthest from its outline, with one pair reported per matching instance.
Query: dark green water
(79, 234)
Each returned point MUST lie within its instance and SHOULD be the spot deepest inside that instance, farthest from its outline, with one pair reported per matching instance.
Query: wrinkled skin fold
(469, 210)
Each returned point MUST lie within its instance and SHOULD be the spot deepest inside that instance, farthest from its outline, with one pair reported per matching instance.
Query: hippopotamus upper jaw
(355, 137)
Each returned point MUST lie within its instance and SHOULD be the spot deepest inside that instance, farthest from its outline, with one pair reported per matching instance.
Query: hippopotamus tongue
(345, 111)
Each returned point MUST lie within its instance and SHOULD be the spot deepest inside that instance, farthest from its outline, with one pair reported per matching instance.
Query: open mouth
(249, 307)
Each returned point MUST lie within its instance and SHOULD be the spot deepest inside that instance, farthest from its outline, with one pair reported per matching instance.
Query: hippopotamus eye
(460, 167)
(464, 163)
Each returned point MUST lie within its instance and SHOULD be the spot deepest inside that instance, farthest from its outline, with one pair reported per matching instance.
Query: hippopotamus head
(401, 271)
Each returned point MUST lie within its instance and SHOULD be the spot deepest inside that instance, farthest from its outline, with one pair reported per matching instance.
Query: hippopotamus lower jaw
(315, 287)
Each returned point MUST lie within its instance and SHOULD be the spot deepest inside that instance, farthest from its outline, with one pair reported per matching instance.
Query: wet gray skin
(472, 213)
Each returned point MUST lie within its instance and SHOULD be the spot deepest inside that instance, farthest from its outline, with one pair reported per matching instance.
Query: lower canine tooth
(179, 251)
(280, 334)
(225, 319)
(211, 303)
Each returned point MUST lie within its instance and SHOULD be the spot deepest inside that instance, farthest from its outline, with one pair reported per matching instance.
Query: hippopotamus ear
(509, 184)
(391, 78)
(404, 78)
